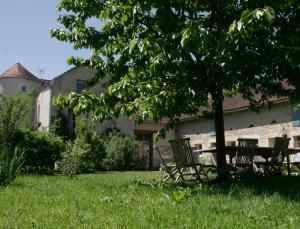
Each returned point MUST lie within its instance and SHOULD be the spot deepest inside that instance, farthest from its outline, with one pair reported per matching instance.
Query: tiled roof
(234, 103)
(19, 71)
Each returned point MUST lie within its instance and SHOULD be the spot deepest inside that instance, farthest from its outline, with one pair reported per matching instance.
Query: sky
(25, 38)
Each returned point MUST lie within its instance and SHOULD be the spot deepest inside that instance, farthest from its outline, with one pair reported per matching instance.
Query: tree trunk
(220, 137)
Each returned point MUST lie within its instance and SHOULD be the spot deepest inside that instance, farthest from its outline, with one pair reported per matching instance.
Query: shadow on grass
(287, 187)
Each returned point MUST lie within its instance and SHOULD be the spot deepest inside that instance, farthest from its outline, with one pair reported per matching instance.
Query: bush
(86, 131)
(120, 151)
(97, 151)
(15, 113)
(10, 163)
(77, 157)
(59, 125)
(41, 150)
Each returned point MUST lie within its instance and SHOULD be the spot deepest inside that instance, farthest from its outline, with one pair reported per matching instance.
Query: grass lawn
(139, 200)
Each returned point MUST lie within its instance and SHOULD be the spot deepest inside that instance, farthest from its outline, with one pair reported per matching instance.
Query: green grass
(139, 200)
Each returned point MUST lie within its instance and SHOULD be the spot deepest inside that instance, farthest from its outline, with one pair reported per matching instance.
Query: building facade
(239, 121)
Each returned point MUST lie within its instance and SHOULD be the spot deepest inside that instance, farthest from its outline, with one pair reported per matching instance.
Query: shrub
(97, 151)
(86, 131)
(10, 163)
(41, 150)
(78, 156)
(120, 151)
(59, 125)
(15, 113)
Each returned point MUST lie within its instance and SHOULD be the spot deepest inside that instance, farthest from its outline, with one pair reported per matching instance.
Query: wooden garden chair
(243, 159)
(167, 164)
(274, 164)
(184, 159)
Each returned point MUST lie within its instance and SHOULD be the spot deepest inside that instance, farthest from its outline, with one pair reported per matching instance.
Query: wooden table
(265, 152)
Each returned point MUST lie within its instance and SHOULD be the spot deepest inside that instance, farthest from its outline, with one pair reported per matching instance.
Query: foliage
(59, 125)
(77, 157)
(15, 113)
(10, 164)
(120, 151)
(41, 150)
(168, 58)
(86, 130)
(98, 152)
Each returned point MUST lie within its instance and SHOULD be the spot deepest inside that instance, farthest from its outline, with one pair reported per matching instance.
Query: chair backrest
(182, 152)
(165, 154)
(245, 150)
(280, 148)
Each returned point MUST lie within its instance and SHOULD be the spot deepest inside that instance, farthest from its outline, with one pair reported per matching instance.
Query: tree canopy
(168, 58)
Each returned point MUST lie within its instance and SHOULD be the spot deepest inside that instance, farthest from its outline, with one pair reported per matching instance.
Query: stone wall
(243, 124)
(265, 126)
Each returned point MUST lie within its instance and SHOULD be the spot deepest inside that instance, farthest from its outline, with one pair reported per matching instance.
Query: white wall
(44, 109)
(10, 86)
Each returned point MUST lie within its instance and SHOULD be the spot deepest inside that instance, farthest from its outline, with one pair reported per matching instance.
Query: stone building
(17, 78)
(239, 121)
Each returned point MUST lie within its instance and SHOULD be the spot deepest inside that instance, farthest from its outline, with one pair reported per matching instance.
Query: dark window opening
(79, 86)
(273, 121)
(23, 88)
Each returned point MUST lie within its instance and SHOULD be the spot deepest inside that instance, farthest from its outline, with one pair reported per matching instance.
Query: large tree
(168, 58)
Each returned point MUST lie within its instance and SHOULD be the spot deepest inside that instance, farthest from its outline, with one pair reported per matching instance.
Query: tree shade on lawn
(135, 200)
(168, 58)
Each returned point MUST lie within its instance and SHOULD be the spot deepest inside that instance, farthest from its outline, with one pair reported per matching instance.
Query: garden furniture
(167, 166)
(184, 159)
(244, 156)
(273, 164)
(262, 151)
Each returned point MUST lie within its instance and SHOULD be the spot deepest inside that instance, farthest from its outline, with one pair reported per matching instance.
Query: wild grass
(140, 200)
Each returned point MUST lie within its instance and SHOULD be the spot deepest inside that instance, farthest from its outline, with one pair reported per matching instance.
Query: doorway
(147, 146)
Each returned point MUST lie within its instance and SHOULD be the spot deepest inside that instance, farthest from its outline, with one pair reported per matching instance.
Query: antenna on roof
(41, 71)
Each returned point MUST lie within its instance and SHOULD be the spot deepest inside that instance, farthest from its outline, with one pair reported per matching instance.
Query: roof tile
(19, 71)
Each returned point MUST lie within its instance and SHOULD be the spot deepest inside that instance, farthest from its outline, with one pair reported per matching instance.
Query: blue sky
(25, 37)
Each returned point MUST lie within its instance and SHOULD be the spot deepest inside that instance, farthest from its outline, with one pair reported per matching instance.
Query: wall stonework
(237, 124)
(267, 124)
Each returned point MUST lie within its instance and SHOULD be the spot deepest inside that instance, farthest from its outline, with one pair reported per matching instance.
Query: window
(295, 115)
(213, 145)
(296, 141)
(271, 142)
(23, 88)
(212, 127)
(198, 146)
(79, 86)
(230, 143)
